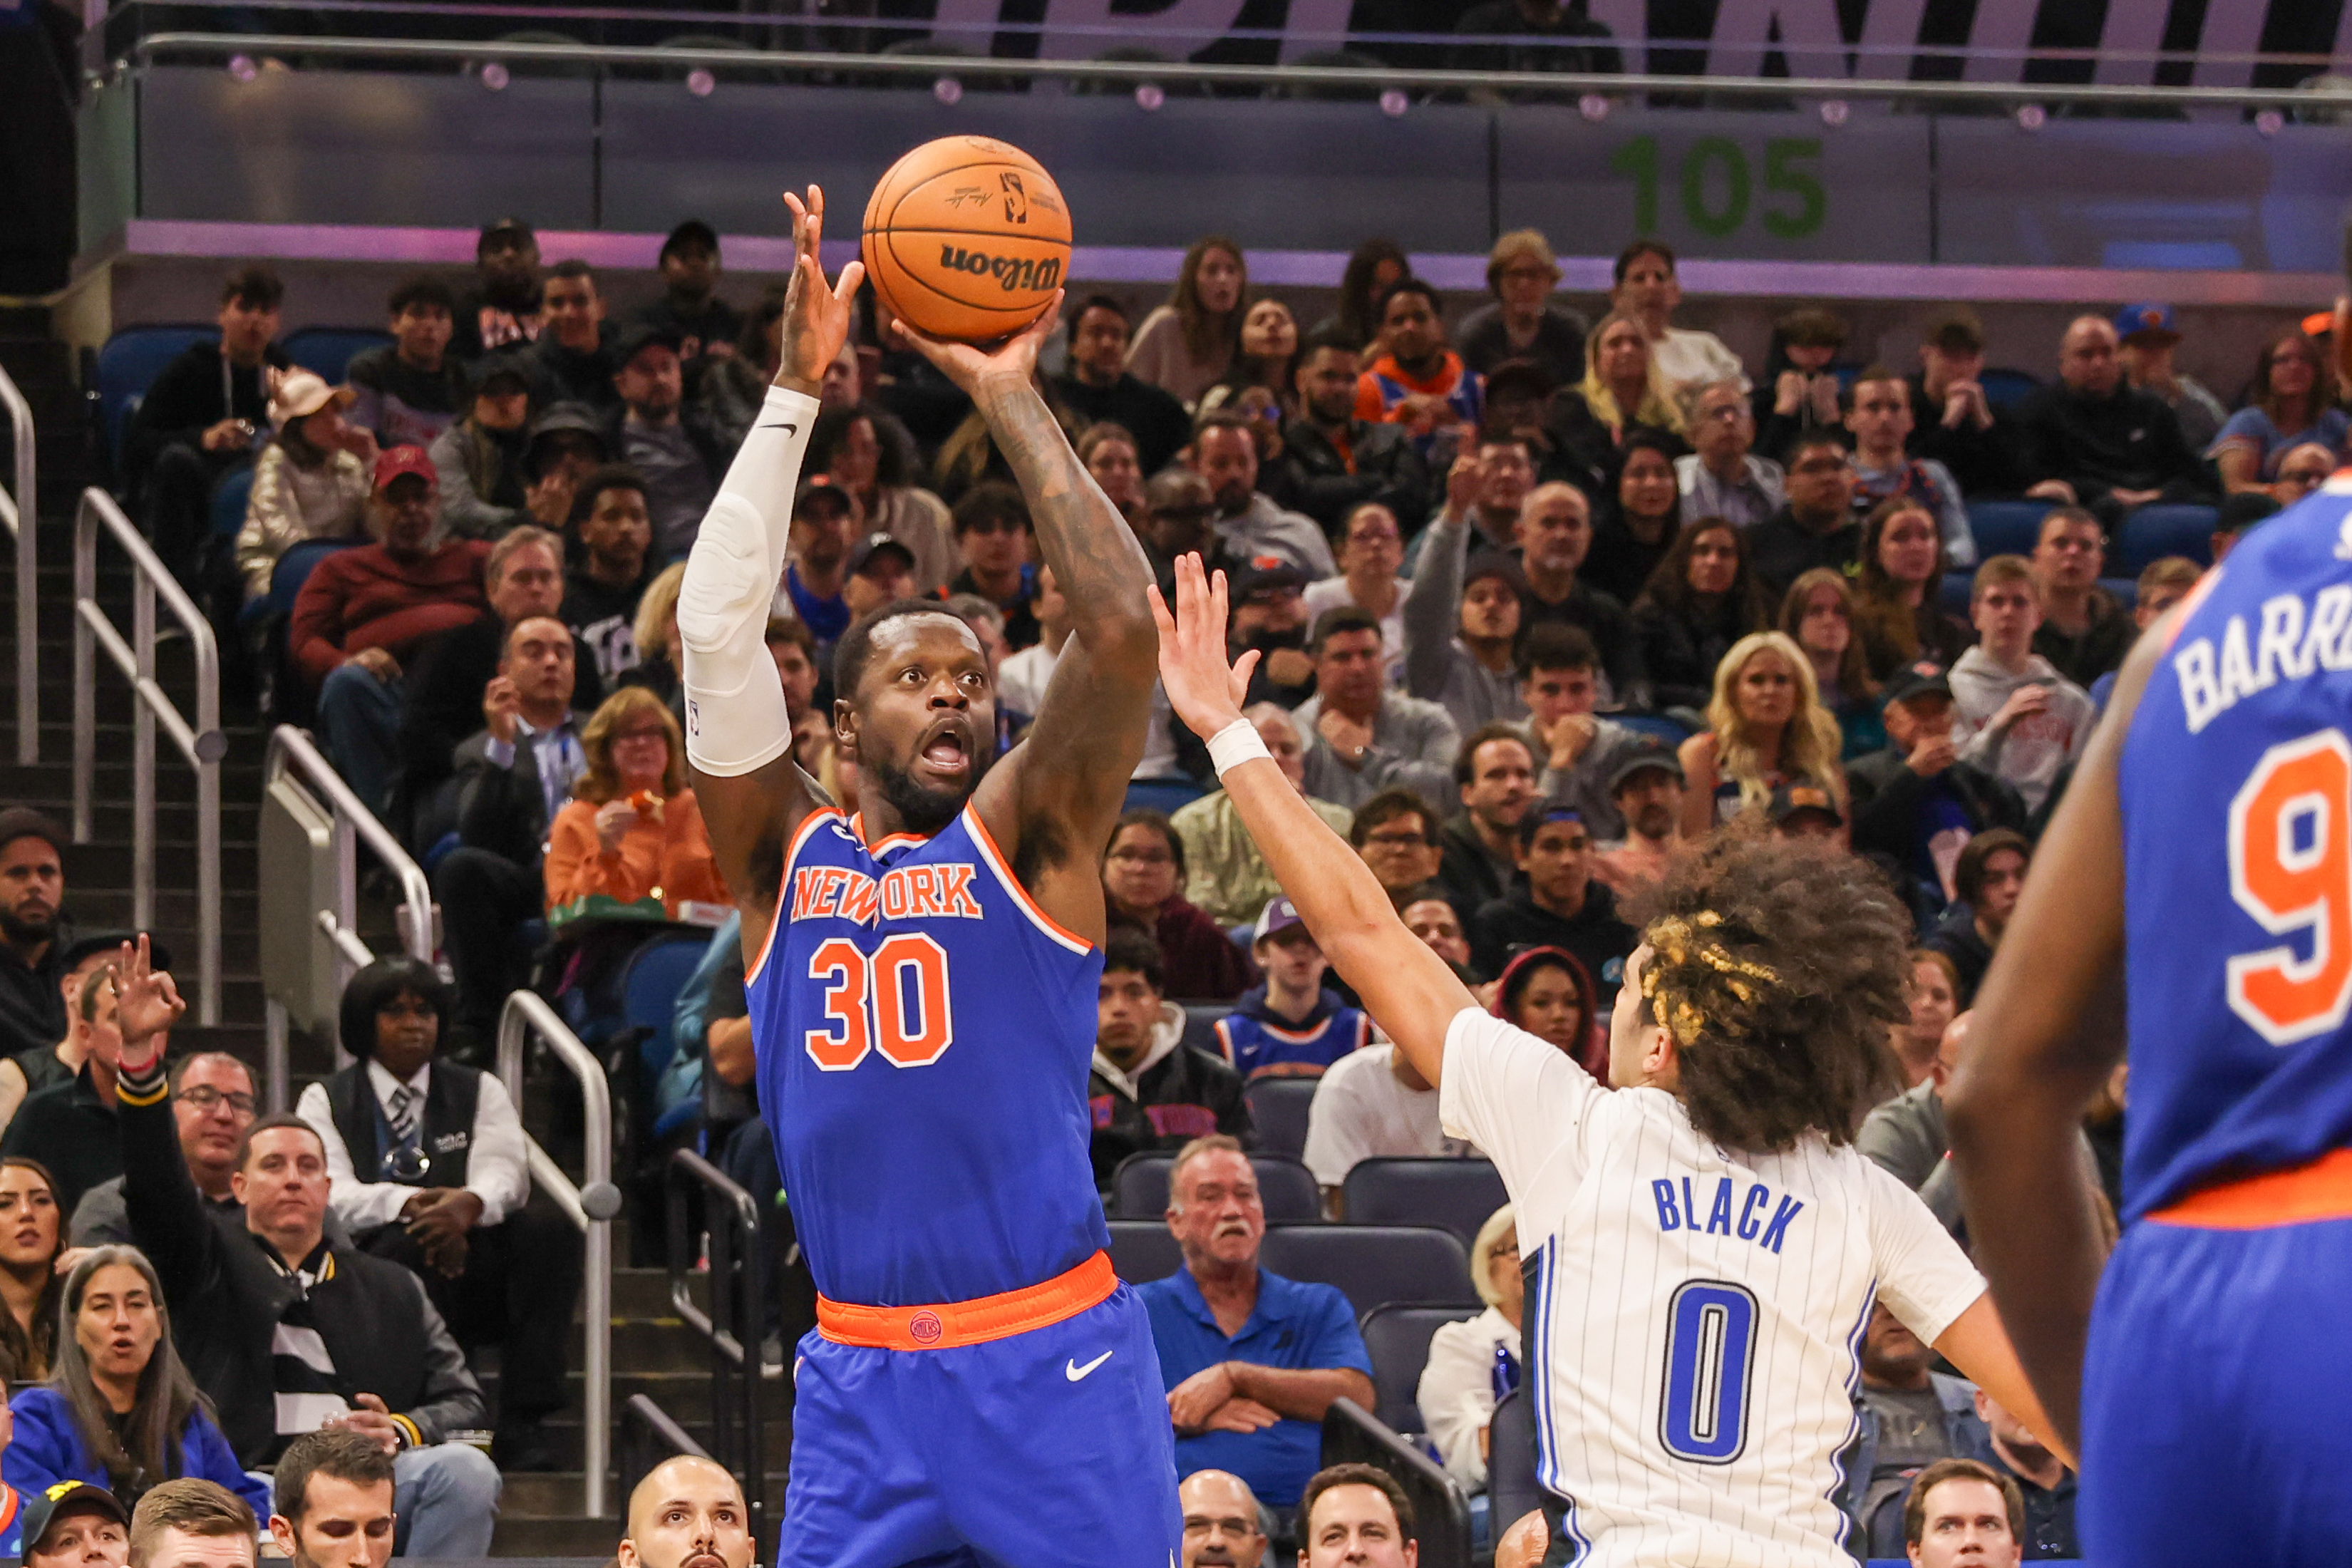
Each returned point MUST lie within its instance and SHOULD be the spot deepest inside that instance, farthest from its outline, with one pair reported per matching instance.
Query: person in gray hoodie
(1461, 619)
(1147, 1089)
(2013, 713)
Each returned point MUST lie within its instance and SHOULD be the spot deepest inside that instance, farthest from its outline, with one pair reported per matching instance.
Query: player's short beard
(922, 808)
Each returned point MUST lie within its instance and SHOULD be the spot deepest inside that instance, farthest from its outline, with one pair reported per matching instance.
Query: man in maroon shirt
(365, 612)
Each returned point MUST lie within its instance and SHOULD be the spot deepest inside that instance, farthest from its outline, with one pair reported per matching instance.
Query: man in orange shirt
(1420, 382)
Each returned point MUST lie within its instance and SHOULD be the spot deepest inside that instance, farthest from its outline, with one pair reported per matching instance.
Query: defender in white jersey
(1707, 1242)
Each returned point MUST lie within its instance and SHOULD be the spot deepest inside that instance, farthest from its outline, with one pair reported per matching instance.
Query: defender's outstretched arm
(739, 732)
(1407, 989)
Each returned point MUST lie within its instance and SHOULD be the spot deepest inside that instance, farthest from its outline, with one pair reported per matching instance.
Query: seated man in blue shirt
(1251, 1360)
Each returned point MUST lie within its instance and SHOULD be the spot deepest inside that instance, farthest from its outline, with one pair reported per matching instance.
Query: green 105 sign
(1721, 190)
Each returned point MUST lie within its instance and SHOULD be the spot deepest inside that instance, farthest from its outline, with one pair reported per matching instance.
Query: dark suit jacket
(503, 810)
(442, 705)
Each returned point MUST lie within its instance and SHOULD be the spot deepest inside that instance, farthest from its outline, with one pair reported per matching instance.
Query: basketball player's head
(687, 1513)
(1762, 992)
(1964, 1512)
(914, 706)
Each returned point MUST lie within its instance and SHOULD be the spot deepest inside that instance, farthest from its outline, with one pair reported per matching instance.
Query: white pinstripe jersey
(1696, 1317)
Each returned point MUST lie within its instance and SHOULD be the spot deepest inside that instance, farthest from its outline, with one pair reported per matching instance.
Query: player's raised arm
(1407, 989)
(738, 732)
(1064, 787)
(2047, 1032)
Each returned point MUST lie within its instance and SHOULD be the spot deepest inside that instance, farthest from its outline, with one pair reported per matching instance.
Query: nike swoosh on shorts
(1075, 1372)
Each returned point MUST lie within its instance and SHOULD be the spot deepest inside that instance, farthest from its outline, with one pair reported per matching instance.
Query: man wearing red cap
(364, 613)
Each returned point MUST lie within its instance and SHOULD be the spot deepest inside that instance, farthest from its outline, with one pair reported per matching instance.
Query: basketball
(967, 238)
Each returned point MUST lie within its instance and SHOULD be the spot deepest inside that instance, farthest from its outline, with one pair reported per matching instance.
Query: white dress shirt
(497, 1168)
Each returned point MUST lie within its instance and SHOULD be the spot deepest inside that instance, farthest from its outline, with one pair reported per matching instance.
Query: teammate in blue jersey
(922, 970)
(2198, 879)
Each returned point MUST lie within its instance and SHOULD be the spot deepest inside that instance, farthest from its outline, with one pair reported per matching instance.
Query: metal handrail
(291, 751)
(589, 1206)
(20, 511)
(736, 1324)
(1165, 72)
(202, 744)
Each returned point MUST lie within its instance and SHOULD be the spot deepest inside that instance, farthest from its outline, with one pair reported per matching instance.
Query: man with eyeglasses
(1816, 527)
(212, 1104)
(1724, 477)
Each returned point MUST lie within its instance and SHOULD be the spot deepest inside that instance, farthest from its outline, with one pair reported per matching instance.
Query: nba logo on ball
(967, 238)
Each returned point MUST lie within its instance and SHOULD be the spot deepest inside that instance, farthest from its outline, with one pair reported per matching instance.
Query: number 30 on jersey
(2291, 869)
(893, 1000)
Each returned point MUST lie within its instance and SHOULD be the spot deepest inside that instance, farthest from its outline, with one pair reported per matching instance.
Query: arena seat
(649, 986)
(1952, 593)
(1138, 1188)
(329, 350)
(2158, 529)
(128, 365)
(1658, 726)
(1512, 1488)
(1278, 1108)
(2006, 527)
(1458, 1194)
(1143, 1250)
(229, 502)
(2005, 389)
(2124, 591)
(1373, 1265)
(1397, 1338)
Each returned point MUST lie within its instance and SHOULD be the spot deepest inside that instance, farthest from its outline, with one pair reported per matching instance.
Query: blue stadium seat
(1373, 1265)
(294, 569)
(650, 983)
(2124, 591)
(1143, 1250)
(1952, 593)
(128, 365)
(2156, 530)
(229, 501)
(1397, 1338)
(1512, 1488)
(1278, 1108)
(2006, 527)
(1161, 795)
(2005, 389)
(1459, 1195)
(329, 350)
(1138, 1188)
(1658, 726)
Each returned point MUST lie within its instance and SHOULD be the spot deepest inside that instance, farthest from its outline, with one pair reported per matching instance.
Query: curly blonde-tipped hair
(1808, 745)
(1779, 970)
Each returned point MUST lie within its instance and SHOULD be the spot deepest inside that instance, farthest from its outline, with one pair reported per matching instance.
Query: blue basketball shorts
(1050, 1448)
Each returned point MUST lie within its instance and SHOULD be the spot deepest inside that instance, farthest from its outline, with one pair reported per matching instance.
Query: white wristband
(1235, 745)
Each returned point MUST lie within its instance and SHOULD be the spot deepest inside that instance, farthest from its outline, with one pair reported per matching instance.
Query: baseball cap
(507, 228)
(2149, 321)
(1955, 328)
(1659, 758)
(1492, 564)
(819, 484)
(693, 231)
(1921, 679)
(569, 415)
(1519, 378)
(634, 339)
(876, 543)
(496, 367)
(400, 460)
(1266, 574)
(1278, 916)
(1790, 799)
(302, 393)
(69, 1498)
(24, 822)
(81, 947)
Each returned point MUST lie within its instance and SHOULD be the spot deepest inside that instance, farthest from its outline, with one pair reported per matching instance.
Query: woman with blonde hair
(1766, 728)
(1622, 391)
(1187, 345)
(1819, 612)
(659, 653)
(633, 830)
(1456, 1395)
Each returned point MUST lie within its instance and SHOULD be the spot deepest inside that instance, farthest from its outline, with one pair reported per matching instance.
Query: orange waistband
(952, 1323)
(2320, 1190)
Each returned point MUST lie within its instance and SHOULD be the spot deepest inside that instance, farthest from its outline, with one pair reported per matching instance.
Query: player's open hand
(1204, 691)
(1012, 362)
(817, 314)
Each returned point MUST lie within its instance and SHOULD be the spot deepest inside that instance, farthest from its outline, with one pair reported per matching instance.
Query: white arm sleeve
(736, 719)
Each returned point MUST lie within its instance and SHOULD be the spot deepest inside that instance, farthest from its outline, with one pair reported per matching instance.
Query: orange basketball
(967, 238)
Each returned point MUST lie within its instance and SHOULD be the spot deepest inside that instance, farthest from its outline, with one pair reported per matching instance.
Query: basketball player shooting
(2197, 880)
(1706, 1243)
(922, 976)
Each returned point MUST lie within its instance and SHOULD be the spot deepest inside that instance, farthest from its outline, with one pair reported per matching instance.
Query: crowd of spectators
(1537, 601)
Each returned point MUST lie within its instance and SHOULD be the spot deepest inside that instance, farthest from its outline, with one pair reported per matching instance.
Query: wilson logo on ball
(1012, 274)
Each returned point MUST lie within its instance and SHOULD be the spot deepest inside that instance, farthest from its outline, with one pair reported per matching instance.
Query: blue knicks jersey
(2236, 788)
(924, 1033)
